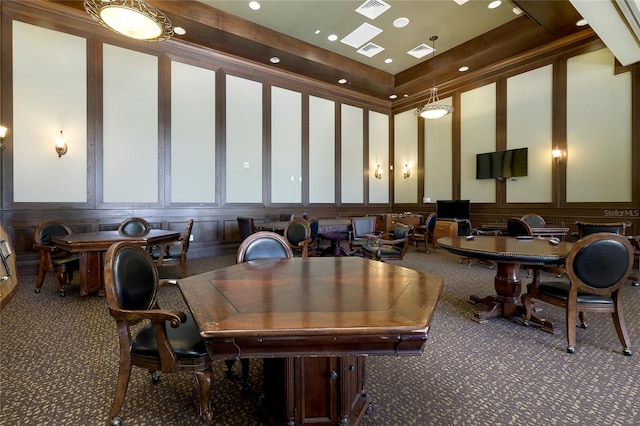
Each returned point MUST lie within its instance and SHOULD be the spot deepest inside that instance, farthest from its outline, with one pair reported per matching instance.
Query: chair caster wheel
(116, 421)
(37, 290)
(62, 294)
(571, 349)
(627, 352)
(155, 377)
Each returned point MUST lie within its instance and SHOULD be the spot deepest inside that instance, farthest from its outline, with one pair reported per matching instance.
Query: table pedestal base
(506, 302)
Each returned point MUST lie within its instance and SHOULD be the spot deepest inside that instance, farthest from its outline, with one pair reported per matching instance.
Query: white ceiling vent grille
(361, 35)
(372, 8)
(420, 51)
(370, 50)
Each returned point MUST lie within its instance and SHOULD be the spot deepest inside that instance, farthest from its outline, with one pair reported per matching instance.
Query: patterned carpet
(59, 359)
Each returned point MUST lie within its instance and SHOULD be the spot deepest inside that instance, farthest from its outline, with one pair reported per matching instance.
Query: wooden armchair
(246, 225)
(597, 266)
(533, 220)
(361, 229)
(424, 233)
(169, 342)
(53, 259)
(389, 246)
(134, 227)
(174, 252)
(297, 233)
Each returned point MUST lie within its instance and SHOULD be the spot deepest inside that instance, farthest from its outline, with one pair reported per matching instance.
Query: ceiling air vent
(372, 8)
(361, 35)
(370, 50)
(420, 51)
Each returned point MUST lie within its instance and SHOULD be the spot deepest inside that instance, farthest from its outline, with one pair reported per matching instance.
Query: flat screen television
(453, 209)
(502, 164)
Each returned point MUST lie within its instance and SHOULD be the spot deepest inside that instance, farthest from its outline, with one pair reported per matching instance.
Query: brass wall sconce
(557, 155)
(378, 172)
(61, 145)
(3, 134)
(406, 172)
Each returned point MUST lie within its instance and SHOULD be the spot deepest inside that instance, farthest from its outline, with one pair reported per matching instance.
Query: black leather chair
(597, 266)
(517, 227)
(168, 343)
(389, 246)
(259, 245)
(53, 259)
(361, 228)
(174, 252)
(298, 234)
(246, 225)
(533, 220)
(134, 227)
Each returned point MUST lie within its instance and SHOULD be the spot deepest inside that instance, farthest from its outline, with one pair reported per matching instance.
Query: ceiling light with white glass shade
(433, 109)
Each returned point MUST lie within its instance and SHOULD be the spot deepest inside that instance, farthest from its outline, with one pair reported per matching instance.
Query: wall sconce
(406, 172)
(61, 145)
(557, 155)
(378, 172)
(3, 133)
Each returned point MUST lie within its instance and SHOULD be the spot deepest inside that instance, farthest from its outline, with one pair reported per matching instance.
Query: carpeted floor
(59, 359)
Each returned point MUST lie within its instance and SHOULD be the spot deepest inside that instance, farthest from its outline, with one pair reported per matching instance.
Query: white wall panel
(244, 140)
(478, 134)
(130, 126)
(322, 148)
(49, 95)
(352, 147)
(193, 130)
(438, 157)
(286, 146)
(529, 98)
(378, 155)
(406, 152)
(598, 130)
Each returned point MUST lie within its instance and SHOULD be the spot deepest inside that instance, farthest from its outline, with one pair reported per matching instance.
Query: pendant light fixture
(131, 18)
(432, 109)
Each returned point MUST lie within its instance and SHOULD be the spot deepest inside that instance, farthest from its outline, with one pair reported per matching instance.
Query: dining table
(509, 253)
(313, 321)
(92, 246)
(548, 230)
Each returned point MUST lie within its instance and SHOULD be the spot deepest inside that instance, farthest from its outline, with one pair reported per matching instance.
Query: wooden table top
(101, 240)
(313, 306)
(508, 249)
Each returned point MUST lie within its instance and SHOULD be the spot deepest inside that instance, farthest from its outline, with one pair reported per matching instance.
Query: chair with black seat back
(517, 227)
(170, 341)
(424, 232)
(597, 266)
(533, 220)
(298, 234)
(260, 245)
(361, 229)
(134, 227)
(389, 246)
(246, 225)
(174, 252)
(286, 217)
(314, 243)
(53, 259)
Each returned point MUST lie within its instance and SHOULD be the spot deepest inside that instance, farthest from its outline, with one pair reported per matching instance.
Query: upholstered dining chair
(259, 245)
(53, 259)
(517, 227)
(168, 342)
(314, 242)
(389, 246)
(298, 234)
(597, 266)
(362, 228)
(174, 252)
(246, 225)
(533, 220)
(424, 233)
(134, 227)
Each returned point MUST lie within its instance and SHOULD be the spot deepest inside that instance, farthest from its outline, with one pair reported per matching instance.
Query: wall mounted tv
(453, 209)
(502, 164)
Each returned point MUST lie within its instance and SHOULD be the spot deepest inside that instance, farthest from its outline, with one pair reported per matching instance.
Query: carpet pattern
(59, 359)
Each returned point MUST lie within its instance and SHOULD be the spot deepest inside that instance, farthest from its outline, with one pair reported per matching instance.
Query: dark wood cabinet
(321, 391)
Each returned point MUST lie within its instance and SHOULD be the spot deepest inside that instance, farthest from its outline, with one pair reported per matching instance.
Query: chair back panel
(600, 261)
(186, 236)
(134, 277)
(400, 230)
(314, 226)
(431, 222)
(517, 227)
(246, 226)
(47, 230)
(263, 245)
(533, 220)
(134, 227)
(297, 231)
(362, 226)
(586, 228)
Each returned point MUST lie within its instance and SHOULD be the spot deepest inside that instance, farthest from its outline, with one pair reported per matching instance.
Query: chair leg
(121, 390)
(41, 275)
(619, 324)
(583, 320)
(571, 328)
(183, 268)
(62, 281)
(244, 362)
(205, 380)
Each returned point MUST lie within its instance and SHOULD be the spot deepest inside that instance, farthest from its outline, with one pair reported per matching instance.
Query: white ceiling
(453, 23)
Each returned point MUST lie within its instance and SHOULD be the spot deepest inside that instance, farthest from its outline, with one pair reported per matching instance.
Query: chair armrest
(382, 241)
(156, 315)
(167, 282)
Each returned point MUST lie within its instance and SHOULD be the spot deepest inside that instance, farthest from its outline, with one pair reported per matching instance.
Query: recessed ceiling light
(317, 32)
(582, 23)
(401, 22)
(342, 81)
(516, 11)
(463, 68)
(274, 60)
(393, 96)
(179, 30)
(388, 61)
(406, 95)
(332, 37)
(494, 4)
(254, 5)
